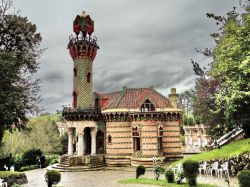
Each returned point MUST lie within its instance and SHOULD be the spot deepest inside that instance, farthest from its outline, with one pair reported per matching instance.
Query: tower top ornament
(83, 24)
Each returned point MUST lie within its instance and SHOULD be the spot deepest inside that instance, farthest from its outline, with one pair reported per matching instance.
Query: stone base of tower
(117, 161)
(146, 162)
(128, 161)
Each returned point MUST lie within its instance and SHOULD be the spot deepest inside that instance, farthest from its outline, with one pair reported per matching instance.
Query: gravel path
(105, 178)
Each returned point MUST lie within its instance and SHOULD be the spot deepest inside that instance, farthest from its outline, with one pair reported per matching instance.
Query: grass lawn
(158, 183)
(226, 151)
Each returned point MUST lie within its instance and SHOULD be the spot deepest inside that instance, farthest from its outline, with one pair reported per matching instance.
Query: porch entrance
(87, 139)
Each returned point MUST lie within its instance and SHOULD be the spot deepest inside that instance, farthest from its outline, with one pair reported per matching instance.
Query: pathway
(105, 178)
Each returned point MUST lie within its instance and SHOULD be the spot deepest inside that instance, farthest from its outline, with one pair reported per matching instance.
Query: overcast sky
(142, 43)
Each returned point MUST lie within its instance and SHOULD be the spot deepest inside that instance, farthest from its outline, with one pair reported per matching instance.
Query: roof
(133, 98)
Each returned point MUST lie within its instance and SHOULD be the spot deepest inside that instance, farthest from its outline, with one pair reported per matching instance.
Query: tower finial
(83, 14)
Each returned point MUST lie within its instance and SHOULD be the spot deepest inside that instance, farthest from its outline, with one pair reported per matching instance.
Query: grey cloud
(142, 43)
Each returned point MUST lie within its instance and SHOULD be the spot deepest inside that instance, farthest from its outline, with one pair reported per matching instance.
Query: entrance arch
(87, 139)
(100, 142)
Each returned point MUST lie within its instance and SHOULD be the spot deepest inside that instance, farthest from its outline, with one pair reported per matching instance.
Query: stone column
(81, 148)
(190, 140)
(199, 141)
(186, 140)
(93, 141)
(70, 141)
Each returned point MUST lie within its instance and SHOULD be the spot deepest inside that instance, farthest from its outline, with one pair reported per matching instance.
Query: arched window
(136, 139)
(160, 131)
(160, 135)
(147, 106)
(74, 99)
(109, 139)
(75, 71)
(88, 77)
(96, 103)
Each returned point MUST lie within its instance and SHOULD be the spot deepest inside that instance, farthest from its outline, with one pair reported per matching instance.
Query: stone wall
(171, 140)
(121, 139)
(149, 137)
(235, 163)
(120, 149)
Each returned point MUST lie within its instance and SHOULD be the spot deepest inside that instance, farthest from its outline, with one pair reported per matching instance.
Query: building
(127, 127)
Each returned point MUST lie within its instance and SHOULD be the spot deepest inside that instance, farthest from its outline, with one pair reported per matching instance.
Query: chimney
(173, 97)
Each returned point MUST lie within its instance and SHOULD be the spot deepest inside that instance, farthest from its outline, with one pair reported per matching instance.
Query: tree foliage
(222, 96)
(39, 134)
(19, 51)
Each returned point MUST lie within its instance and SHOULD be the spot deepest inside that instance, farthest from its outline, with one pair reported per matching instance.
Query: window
(160, 131)
(160, 135)
(147, 106)
(136, 139)
(109, 139)
(135, 132)
(75, 71)
(96, 103)
(88, 77)
(74, 99)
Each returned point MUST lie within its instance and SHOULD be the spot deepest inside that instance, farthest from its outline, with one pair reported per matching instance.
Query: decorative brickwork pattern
(80, 82)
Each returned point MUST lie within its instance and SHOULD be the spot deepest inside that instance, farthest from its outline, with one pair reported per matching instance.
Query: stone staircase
(94, 164)
(234, 135)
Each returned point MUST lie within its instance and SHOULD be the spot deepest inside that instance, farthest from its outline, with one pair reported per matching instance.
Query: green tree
(40, 134)
(232, 67)
(222, 96)
(19, 51)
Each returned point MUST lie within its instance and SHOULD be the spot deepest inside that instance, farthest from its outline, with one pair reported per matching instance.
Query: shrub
(190, 168)
(13, 177)
(161, 169)
(169, 176)
(140, 170)
(30, 156)
(5, 161)
(26, 168)
(51, 159)
(180, 177)
(244, 178)
(157, 171)
(52, 177)
(16, 185)
(17, 161)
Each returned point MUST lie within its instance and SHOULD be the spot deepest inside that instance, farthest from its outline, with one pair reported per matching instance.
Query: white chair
(224, 169)
(177, 168)
(3, 184)
(215, 168)
(203, 167)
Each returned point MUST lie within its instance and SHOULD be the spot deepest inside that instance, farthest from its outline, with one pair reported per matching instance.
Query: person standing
(42, 161)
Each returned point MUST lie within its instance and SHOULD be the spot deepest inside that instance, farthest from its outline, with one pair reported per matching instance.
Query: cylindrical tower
(82, 49)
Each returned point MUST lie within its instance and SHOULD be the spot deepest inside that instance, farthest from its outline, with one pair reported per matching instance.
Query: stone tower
(82, 49)
(173, 97)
